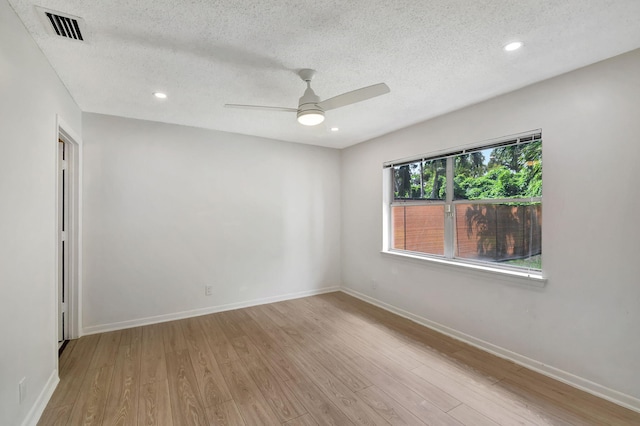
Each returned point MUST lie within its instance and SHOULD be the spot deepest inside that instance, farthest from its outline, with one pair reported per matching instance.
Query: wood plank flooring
(322, 360)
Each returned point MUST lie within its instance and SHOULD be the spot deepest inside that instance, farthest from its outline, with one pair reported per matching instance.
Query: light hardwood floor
(329, 359)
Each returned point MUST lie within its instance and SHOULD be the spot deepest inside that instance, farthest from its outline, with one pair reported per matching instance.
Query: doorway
(68, 235)
(63, 243)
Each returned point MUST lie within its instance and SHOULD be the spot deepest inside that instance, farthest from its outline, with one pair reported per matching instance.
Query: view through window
(474, 205)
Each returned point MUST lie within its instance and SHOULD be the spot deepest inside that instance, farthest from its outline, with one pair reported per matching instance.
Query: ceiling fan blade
(354, 96)
(267, 108)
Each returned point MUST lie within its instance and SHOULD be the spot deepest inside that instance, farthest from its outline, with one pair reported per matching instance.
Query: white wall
(586, 321)
(169, 209)
(31, 95)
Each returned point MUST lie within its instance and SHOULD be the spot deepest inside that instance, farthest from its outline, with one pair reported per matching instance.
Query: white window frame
(531, 276)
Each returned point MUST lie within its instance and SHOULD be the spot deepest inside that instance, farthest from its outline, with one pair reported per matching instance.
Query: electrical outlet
(374, 284)
(208, 290)
(22, 389)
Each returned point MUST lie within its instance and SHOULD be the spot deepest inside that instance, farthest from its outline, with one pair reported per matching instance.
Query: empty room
(320, 213)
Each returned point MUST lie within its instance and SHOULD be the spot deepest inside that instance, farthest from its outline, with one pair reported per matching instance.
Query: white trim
(67, 130)
(34, 414)
(570, 379)
(68, 134)
(531, 278)
(203, 311)
(387, 197)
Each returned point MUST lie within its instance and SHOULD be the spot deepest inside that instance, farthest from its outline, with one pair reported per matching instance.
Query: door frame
(73, 157)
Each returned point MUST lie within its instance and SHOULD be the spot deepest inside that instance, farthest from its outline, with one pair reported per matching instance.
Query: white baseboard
(33, 416)
(603, 392)
(202, 311)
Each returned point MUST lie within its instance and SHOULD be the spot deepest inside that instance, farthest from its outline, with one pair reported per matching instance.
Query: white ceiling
(435, 55)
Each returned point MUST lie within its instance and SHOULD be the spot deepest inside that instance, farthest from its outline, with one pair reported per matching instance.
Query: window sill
(530, 278)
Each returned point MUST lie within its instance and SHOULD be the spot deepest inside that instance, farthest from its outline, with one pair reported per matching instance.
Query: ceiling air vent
(62, 24)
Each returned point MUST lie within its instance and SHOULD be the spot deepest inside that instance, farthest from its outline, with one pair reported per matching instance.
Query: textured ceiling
(435, 55)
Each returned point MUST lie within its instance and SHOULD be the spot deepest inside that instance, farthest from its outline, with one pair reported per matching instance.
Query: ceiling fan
(311, 110)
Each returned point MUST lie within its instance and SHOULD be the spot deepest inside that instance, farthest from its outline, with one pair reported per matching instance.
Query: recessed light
(334, 129)
(513, 46)
(160, 95)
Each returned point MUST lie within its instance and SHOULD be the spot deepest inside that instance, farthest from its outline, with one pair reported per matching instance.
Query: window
(475, 205)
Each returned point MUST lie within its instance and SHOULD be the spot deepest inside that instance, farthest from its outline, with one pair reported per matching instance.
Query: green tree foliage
(421, 180)
(470, 165)
(512, 172)
(402, 181)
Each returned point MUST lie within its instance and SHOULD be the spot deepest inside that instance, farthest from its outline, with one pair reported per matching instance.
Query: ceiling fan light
(310, 118)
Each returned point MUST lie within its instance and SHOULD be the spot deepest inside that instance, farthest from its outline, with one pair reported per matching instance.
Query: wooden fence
(494, 232)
